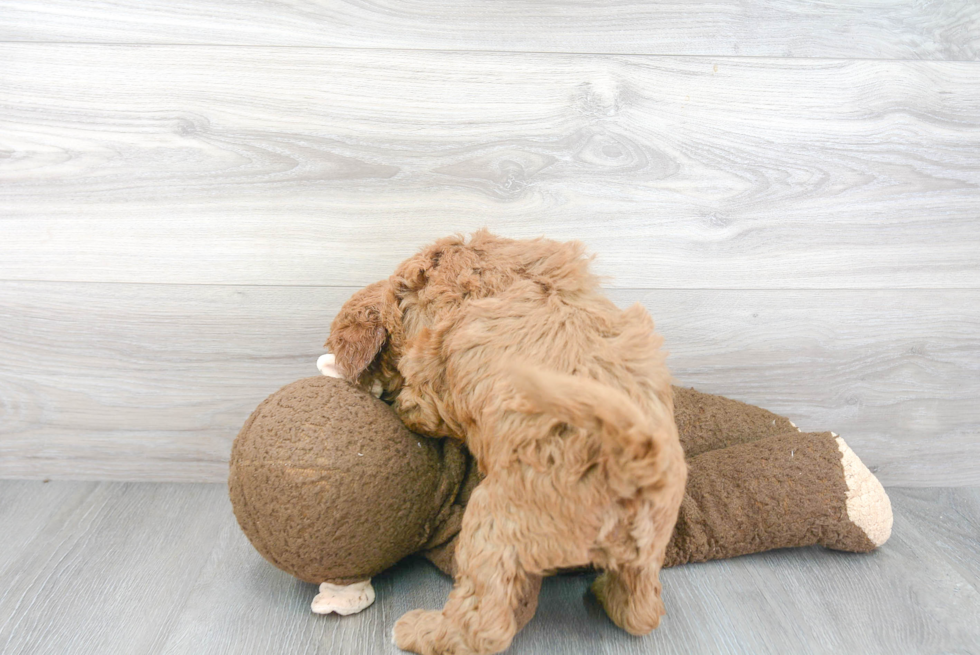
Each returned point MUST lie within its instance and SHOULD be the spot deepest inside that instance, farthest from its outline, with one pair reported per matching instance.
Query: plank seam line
(4, 281)
(480, 51)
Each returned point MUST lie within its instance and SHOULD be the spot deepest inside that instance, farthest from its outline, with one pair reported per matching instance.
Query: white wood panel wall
(892, 29)
(792, 190)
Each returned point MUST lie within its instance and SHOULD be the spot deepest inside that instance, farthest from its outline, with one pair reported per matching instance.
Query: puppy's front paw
(423, 632)
(411, 631)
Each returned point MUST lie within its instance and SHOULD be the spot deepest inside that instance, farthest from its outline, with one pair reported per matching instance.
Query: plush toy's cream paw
(868, 506)
(343, 599)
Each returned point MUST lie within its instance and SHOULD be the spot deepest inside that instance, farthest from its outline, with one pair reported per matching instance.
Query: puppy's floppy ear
(358, 332)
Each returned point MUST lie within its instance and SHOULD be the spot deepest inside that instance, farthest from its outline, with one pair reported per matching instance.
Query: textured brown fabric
(777, 492)
(443, 555)
(330, 489)
(442, 551)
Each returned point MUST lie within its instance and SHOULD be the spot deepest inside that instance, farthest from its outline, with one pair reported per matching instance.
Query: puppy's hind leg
(629, 588)
(630, 595)
(480, 616)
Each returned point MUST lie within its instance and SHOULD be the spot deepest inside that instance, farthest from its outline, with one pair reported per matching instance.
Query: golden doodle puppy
(564, 401)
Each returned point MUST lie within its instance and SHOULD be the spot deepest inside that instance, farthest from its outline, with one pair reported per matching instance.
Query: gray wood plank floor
(89, 567)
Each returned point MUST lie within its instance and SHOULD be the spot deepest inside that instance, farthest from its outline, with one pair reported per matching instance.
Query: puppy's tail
(636, 448)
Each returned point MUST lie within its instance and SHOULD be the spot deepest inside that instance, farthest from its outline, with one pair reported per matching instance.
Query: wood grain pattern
(152, 382)
(905, 29)
(102, 574)
(311, 166)
(163, 568)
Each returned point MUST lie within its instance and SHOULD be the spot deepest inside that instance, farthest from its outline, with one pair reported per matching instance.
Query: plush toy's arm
(707, 422)
(796, 489)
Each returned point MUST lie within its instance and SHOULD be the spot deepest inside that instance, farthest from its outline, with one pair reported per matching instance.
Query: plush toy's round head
(330, 486)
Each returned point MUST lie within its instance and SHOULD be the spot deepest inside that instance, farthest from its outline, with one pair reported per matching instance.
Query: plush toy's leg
(492, 586)
(796, 489)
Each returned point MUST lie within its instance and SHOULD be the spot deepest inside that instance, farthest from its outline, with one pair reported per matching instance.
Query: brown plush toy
(329, 486)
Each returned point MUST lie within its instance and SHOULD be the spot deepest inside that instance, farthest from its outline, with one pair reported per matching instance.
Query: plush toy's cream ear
(327, 364)
(358, 332)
